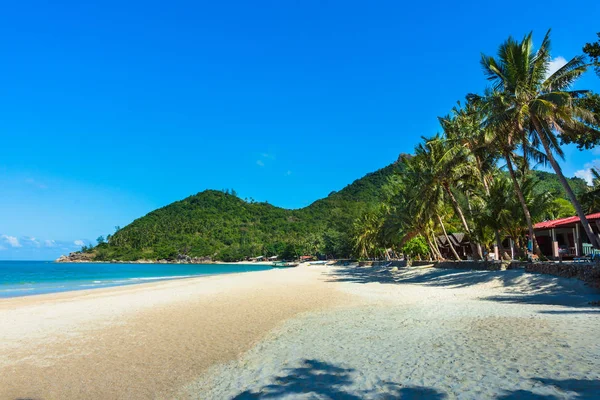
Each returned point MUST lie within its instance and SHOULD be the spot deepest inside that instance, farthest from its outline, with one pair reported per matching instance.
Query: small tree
(100, 239)
(415, 248)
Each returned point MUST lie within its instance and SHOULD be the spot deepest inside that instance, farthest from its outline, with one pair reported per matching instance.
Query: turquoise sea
(25, 278)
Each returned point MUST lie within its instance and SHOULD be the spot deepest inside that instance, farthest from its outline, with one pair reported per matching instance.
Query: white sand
(431, 334)
(145, 341)
(308, 333)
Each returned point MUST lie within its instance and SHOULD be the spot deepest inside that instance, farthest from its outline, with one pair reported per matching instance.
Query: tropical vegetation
(479, 177)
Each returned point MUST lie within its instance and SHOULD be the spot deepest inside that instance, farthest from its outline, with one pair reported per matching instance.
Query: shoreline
(110, 289)
(146, 340)
(90, 282)
(69, 260)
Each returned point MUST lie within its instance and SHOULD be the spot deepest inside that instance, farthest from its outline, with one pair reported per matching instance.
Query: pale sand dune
(145, 341)
(428, 334)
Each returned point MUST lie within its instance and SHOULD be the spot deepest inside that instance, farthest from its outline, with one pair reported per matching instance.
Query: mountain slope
(222, 226)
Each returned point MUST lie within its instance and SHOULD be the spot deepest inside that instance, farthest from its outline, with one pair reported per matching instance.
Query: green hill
(222, 226)
(549, 184)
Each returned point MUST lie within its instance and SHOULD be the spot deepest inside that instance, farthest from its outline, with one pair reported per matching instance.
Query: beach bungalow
(459, 241)
(565, 237)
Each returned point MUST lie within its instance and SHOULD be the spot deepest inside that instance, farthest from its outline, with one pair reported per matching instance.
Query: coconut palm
(443, 166)
(366, 231)
(504, 138)
(464, 127)
(540, 104)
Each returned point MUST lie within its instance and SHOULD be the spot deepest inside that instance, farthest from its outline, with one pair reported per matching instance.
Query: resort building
(459, 241)
(565, 237)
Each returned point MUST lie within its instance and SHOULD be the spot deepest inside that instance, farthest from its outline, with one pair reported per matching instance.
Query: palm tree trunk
(462, 218)
(478, 245)
(433, 247)
(447, 238)
(483, 180)
(458, 210)
(586, 225)
(513, 176)
(498, 243)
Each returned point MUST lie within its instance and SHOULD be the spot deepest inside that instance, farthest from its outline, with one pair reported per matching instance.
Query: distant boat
(283, 264)
(317, 263)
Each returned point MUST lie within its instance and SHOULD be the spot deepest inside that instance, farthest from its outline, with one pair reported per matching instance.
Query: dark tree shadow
(582, 389)
(521, 287)
(328, 381)
(526, 395)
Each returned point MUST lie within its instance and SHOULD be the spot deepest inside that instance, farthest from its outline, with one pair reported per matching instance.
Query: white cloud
(555, 64)
(11, 240)
(49, 243)
(586, 172)
(79, 243)
(31, 241)
(260, 163)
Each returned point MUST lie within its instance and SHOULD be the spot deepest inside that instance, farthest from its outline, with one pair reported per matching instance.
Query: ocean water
(26, 278)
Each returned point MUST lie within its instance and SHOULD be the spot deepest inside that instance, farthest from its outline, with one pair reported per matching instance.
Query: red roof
(557, 223)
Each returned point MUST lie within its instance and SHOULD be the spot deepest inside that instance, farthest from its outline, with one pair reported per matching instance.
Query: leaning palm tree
(409, 214)
(541, 104)
(442, 166)
(508, 140)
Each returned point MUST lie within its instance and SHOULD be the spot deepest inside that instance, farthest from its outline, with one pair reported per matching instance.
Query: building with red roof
(564, 237)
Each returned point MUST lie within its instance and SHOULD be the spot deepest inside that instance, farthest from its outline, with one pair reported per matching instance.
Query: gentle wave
(17, 289)
(24, 278)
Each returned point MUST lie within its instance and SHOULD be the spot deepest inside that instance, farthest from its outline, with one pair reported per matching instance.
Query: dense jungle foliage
(222, 226)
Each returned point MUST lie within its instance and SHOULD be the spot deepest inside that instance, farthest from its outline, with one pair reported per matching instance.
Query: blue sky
(109, 110)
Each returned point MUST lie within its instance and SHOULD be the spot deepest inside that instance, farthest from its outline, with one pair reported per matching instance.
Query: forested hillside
(548, 182)
(222, 226)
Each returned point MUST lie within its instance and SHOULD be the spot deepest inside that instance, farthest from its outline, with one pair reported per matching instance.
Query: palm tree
(442, 166)
(408, 214)
(540, 104)
(464, 127)
(366, 229)
(502, 136)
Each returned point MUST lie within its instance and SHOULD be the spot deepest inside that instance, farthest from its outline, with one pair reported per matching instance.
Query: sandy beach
(309, 333)
(145, 341)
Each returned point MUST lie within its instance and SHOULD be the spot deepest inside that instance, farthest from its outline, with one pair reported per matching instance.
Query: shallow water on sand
(25, 278)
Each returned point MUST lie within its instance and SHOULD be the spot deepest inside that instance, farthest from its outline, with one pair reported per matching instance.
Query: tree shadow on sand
(327, 381)
(521, 287)
(580, 389)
